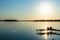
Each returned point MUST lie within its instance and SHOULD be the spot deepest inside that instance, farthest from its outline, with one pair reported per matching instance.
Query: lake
(26, 30)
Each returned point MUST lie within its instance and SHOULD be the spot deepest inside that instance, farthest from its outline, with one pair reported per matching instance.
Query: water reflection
(45, 36)
(27, 30)
(49, 31)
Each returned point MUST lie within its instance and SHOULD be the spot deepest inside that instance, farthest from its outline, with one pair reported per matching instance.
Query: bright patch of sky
(25, 9)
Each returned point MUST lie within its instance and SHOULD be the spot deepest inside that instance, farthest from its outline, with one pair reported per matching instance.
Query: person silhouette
(52, 39)
(47, 28)
(50, 27)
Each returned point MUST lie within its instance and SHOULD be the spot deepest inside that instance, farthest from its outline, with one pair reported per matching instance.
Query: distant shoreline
(10, 20)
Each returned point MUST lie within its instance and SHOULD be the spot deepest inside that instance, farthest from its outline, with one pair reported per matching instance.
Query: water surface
(26, 30)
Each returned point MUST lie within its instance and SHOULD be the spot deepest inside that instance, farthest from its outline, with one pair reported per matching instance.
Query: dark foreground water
(26, 30)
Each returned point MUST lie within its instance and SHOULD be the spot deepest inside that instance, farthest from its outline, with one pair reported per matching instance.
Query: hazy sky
(29, 9)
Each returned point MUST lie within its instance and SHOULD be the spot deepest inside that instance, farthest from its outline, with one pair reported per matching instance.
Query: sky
(29, 9)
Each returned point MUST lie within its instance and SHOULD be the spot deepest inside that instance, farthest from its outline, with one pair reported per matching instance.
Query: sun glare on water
(45, 36)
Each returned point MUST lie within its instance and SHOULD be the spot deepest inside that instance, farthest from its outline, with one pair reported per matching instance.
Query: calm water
(26, 30)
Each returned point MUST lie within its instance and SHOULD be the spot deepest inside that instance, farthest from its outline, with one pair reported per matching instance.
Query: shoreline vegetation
(13, 20)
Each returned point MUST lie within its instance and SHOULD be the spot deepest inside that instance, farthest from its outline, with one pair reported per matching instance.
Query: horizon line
(42, 20)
